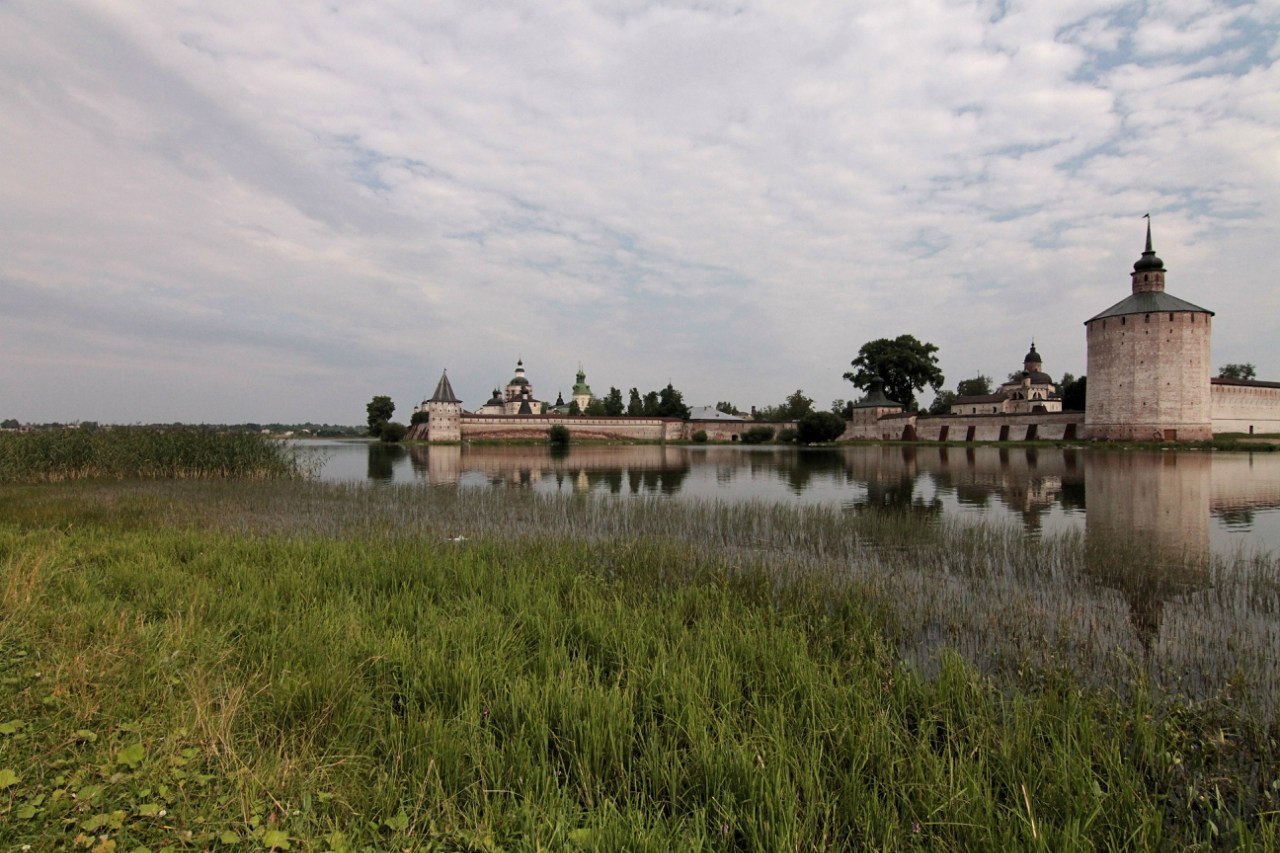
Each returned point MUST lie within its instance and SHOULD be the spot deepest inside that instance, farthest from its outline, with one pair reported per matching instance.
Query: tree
(650, 404)
(727, 407)
(671, 403)
(380, 410)
(10, 423)
(558, 435)
(595, 408)
(635, 406)
(1074, 392)
(978, 386)
(843, 408)
(1237, 371)
(392, 431)
(419, 418)
(575, 409)
(613, 405)
(902, 365)
(818, 427)
(757, 435)
(795, 407)
(942, 402)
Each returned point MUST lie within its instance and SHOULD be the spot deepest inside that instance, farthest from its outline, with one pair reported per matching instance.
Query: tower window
(1146, 319)
(1122, 321)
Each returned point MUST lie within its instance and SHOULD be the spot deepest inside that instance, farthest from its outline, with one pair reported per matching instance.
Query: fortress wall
(534, 427)
(718, 430)
(1251, 408)
(1048, 426)
(1041, 426)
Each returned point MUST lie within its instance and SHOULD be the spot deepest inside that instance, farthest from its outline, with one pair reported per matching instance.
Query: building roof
(978, 398)
(1033, 355)
(876, 399)
(444, 391)
(1038, 377)
(711, 413)
(1151, 302)
(1245, 383)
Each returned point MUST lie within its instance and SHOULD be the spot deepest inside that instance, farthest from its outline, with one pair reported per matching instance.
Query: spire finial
(1147, 216)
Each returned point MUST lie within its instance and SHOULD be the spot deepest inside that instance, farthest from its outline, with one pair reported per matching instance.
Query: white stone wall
(1149, 377)
(1243, 408)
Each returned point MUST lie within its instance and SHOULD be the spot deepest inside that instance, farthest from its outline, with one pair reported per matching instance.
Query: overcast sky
(243, 211)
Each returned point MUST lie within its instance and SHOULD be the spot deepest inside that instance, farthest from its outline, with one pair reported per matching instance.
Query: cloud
(298, 207)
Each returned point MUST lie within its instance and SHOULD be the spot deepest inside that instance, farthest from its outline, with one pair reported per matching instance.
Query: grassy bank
(255, 664)
(139, 452)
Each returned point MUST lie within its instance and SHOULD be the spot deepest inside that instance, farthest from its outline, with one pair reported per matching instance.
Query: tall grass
(139, 452)
(355, 668)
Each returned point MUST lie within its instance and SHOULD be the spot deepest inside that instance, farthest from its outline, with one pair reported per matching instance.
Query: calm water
(1188, 502)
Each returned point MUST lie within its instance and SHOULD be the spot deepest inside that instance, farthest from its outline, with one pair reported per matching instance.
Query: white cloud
(297, 207)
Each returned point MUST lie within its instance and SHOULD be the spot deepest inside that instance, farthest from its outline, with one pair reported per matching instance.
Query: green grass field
(289, 665)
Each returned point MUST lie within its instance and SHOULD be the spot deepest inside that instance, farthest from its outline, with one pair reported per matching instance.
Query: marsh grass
(342, 667)
(140, 452)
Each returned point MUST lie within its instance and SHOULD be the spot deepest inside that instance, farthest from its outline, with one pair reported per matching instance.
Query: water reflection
(1171, 506)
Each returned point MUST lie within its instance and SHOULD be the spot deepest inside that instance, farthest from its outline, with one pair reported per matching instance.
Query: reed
(358, 668)
(140, 452)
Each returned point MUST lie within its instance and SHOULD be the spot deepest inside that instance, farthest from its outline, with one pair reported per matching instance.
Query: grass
(139, 452)
(256, 665)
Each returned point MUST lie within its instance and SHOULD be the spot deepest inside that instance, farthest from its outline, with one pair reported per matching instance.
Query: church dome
(1033, 355)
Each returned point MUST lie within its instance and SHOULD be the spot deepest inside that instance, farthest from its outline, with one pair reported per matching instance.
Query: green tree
(976, 387)
(817, 427)
(596, 408)
(700, 437)
(1074, 392)
(558, 435)
(10, 423)
(574, 408)
(392, 431)
(1237, 371)
(757, 435)
(635, 406)
(843, 408)
(902, 365)
(380, 410)
(671, 403)
(613, 405)
(942, 402)
(650, 404)
(419, 418)
(727, 407)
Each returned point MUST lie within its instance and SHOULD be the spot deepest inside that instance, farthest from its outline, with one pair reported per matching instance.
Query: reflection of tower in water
(1147, 529)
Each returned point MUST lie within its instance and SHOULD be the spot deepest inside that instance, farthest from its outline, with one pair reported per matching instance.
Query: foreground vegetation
(139, 452)
(294, 666)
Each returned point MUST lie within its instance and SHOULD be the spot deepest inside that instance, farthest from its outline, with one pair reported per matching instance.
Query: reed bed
(344, 667)
(140, 453)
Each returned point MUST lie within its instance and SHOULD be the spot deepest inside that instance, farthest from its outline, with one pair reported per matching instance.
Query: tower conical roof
(444, 391)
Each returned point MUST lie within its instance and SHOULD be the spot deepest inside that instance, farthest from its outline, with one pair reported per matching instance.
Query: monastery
(1148, 374)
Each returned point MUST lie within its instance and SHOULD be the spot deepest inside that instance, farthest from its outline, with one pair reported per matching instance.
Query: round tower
(1148, 363)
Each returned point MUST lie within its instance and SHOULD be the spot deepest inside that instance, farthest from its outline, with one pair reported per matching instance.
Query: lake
(1188, 503)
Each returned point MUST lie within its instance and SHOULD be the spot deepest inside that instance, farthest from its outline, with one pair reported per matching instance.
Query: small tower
(1148, 358)
(444, 413)
(581, 390)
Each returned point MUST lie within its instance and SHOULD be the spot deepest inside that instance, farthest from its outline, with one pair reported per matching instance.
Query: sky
(244, 211)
